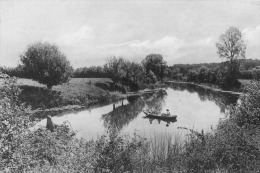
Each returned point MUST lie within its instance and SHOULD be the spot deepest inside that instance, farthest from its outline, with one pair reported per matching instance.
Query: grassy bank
(78, 91)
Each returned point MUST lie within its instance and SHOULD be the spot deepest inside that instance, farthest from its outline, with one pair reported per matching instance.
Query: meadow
(78, 91)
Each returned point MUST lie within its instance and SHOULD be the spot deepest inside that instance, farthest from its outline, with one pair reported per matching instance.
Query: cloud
(204, 42)
(165, 42)
(79, 37)
(252, 35)
(170, 47)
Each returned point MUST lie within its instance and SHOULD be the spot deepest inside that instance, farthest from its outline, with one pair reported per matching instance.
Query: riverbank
(205, 86)
(78, 92)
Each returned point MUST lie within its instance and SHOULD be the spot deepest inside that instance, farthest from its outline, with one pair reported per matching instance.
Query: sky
(88, 32)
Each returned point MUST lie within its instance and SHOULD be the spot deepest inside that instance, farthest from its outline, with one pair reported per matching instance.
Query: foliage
(134, 75)
(248, 111)
(113, 68)
(226, 79)
(91, 72)
(192, 76)
(45, 63)
(245, 74)
(114, 154)
(13, 72)
(15, 121)
(156, 64)
(203, 75)
(150, 78)
(256, 74)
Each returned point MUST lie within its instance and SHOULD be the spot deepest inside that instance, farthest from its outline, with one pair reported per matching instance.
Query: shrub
(256, 74)
(14, 118)
(248, 111)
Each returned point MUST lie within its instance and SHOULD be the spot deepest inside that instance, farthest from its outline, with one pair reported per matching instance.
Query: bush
(15, 121)
(256, 74)
(248, 111)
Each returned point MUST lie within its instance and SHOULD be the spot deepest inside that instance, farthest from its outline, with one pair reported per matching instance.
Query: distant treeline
(90, 72)
(248, 69)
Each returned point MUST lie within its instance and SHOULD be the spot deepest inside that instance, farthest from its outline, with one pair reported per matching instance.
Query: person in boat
(168, 112)
(151, 111)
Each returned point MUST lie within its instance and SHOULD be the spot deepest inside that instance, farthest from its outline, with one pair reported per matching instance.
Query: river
(196, 108)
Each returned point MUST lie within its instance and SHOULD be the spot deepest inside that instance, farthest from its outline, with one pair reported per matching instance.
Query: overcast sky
(88, 32)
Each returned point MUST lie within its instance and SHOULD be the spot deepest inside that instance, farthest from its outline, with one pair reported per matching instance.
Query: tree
(133, 75)
(203, 74)
(156, 64)
(151, 78)
(43, 62)
(192, 76)
(231, 47)
(113, 68)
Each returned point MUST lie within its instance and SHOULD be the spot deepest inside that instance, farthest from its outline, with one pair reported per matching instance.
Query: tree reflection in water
(121, 116)
(221, 99)
(155, 102)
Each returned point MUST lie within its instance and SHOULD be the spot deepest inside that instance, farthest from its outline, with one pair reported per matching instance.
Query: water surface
(196, 108)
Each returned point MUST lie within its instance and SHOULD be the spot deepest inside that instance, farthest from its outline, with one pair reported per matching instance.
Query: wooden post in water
(114, 107)
(49, 125)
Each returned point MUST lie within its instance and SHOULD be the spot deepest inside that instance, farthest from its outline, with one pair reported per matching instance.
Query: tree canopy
(231, 45)
(156, 64)
(113, 68)
(43, 62)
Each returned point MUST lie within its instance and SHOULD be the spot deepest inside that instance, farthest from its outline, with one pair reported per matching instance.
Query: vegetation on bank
(233, 146)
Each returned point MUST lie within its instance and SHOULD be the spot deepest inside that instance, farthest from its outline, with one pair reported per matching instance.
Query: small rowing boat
(164, 117)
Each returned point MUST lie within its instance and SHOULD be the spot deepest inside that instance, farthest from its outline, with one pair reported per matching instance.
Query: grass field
(77, 91)
(30, 82)
(245, 81)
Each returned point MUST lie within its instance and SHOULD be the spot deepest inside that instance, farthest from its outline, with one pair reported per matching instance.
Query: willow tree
(231, 47)
(44, 63)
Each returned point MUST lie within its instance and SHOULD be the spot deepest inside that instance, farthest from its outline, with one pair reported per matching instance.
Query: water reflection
(122, 115)
(221, 99)
(155, 102)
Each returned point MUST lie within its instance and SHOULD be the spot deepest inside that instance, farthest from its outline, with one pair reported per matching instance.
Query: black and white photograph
(129, 86)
